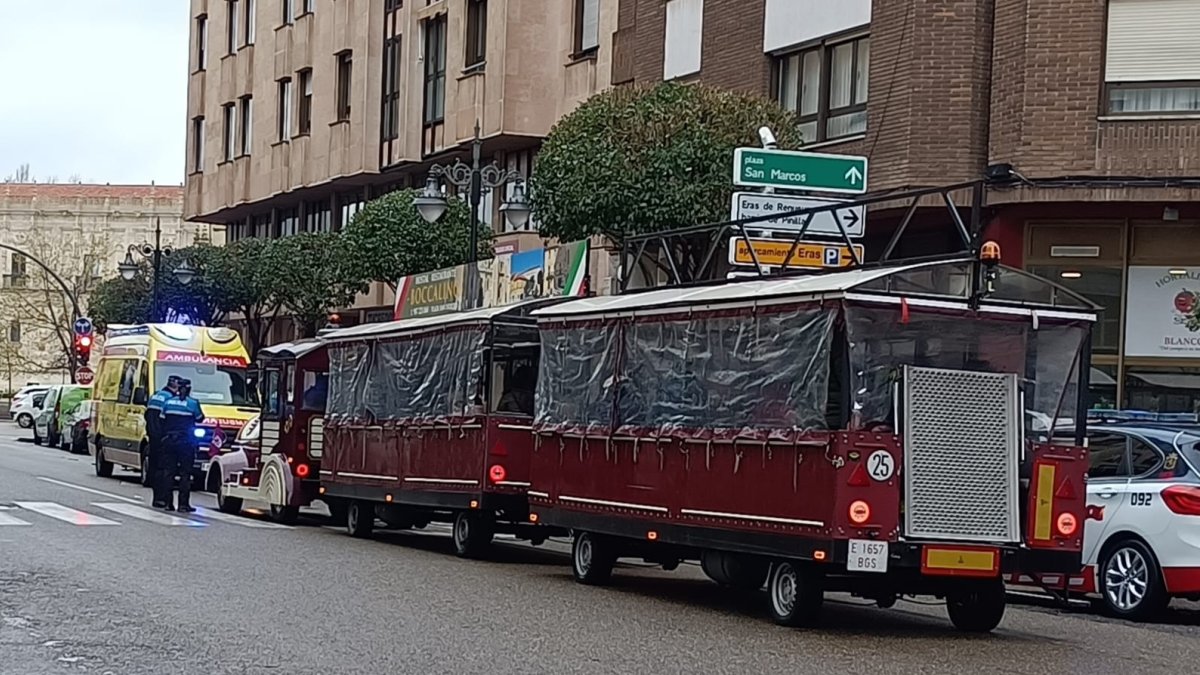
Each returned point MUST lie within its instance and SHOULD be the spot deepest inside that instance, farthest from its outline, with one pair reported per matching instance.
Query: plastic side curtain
(575, 376)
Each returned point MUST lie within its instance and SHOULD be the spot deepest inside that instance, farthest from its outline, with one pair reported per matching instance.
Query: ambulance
(136, 362)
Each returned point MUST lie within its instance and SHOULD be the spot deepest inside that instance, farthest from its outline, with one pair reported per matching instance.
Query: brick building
(1095, 106)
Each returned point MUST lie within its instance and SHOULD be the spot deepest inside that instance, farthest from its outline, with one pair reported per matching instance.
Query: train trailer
(858, 431)
(430, 419)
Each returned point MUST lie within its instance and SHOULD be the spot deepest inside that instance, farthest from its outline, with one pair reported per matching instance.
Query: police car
(1141, 544)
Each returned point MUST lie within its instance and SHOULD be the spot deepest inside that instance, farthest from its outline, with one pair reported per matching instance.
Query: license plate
(867, 556)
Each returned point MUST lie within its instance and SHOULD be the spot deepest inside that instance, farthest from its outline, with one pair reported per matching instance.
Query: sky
(94, 88)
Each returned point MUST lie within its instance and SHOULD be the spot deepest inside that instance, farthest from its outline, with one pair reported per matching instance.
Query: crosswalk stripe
(6, 519)
(142, 513)
(238, 520)
(65, 514)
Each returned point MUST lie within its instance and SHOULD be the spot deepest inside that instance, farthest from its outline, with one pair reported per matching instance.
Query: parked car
(24, 405)
(1141, 545)
(49, 423)
(75, 436)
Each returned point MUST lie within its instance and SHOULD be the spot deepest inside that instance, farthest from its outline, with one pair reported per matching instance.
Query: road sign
(84, 375)
(754, 167)
(756, 204)
(772, 253)
(83, 326)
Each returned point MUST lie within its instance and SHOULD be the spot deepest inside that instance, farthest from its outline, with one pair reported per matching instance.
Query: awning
(293, 350)
(1169, 380)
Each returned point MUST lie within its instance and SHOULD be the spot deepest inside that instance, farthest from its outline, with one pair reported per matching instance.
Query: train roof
(941, 280)
(424, 323)
(293, 350)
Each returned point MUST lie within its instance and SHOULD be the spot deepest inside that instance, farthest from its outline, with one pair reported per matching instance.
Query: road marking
(143, 513)
(6, 519)
(102, 493)
(65, 514)
(238, 520)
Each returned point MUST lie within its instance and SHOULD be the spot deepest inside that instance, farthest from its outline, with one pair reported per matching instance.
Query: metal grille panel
(961, 442)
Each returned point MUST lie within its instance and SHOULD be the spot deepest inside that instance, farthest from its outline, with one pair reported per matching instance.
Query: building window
(310, 6)
(229, 113)
(231, 19)
(197, 144)
(351, 203)
(284, 114)
(289, 222)
(1153, 57)
(391, 88)
(476, 33)
(1103, 286)
(14, 331)
(289, 11)
(317, 217)
(826, 86)
(345, 84)
(247, 123)
(684, 35)
(435, 69)
(587, 26)
(202, 42)
(260, 226)
(248, 21)
(392, 5)
(306, 95)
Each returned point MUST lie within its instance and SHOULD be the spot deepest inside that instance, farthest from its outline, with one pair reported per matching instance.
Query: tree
(636, 160)
(319, 276)
(390, 239)
(116, 301)
(252, 274)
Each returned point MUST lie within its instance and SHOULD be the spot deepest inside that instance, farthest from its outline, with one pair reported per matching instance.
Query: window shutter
(1153, 40)
(685, 30)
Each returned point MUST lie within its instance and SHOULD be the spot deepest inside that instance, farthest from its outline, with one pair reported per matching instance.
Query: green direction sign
(753, 167)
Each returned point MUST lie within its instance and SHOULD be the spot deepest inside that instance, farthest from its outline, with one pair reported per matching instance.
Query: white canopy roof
(421, 323)
(799, 287)
(295, 349)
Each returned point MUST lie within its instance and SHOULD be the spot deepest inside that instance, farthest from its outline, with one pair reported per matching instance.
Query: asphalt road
(128, 595)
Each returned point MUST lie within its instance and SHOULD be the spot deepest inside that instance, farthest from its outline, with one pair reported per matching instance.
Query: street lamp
(475, 177)
(128, 267)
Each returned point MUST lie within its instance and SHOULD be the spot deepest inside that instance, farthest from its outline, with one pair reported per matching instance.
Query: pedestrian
(179, 417)
(154, 445)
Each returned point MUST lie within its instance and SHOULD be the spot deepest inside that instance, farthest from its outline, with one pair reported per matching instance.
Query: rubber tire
(472, 534)
(359, 524)
(807, 592)
(284, 515)
(230, 505)
(25, 421)
(64, 443)
(1156, 599)
(147, 477)
(592, 559)
(337, 510)
(104, 468)
(977, 607)
(37, 440)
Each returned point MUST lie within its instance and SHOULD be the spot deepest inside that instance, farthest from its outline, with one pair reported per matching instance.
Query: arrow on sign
(854, 175)
(851, 216)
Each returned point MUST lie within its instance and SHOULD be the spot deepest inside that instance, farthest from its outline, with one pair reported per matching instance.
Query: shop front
(1145, 275)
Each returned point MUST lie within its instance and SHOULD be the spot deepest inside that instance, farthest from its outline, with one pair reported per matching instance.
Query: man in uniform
(154, 408)
(179, 417)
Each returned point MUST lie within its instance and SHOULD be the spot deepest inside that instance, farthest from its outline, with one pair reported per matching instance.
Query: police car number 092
(867, 556)
(1140, 499)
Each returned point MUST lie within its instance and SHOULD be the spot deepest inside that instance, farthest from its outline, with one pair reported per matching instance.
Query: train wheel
(795, 594)
(473, 534)
(360, 519)
(231, 505)
(338, 510)
(285, 515)
(592, 559)
(977, 607)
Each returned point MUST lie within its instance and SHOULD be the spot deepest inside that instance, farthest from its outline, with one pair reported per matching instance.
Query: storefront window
(1102, 392)
(1101, 285)
(1162, 389)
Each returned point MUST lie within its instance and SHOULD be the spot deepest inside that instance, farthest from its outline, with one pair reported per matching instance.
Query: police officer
(154, 408)
(179, 417)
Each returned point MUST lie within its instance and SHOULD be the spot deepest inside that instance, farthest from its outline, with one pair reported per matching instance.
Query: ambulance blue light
(198, 433)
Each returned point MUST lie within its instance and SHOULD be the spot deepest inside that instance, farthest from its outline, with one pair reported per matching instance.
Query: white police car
(1141, 544)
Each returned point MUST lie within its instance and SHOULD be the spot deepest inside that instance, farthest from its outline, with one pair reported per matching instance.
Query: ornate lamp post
(155, 254)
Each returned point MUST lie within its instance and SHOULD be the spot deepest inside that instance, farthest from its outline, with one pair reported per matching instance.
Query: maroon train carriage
(857, 431)
(430, 419)
(280, 468)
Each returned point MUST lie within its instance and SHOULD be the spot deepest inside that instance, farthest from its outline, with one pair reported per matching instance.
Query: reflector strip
(1043, 513)
(964, 561)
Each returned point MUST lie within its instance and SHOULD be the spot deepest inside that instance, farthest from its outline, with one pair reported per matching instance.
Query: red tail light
(497, 473)
(1182, 499)
(1067, 523)
(302, 470)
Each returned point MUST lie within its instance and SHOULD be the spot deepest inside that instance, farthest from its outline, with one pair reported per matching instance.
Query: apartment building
(1089, 111)
(81, 232)
(300, 110)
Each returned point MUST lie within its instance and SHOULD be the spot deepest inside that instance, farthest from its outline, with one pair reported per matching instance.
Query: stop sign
(84, 375)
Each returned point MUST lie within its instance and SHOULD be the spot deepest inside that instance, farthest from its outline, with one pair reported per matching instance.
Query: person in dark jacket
(154, 449)
(179, 417)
